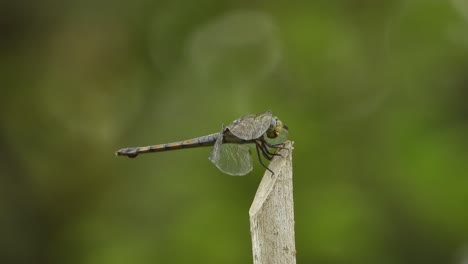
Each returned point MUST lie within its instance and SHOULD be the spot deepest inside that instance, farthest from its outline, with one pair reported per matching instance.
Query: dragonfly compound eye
(275, 128)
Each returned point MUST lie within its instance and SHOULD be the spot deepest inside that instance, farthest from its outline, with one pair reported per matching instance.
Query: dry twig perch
(272, 213)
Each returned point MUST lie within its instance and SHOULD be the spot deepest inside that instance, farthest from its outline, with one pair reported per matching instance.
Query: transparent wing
(251, 126)
(232, 159)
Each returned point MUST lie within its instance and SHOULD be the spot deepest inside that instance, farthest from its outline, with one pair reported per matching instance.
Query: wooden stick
(272, 213)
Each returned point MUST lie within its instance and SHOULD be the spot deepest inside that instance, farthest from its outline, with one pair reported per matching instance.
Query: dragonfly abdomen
(204, 141)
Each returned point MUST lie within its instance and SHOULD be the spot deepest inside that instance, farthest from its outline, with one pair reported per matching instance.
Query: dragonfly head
(275, 128)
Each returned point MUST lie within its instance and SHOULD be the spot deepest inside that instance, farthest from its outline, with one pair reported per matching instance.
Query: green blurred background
(374, 92)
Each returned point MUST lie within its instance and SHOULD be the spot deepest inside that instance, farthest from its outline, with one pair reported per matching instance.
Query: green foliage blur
(375, 94)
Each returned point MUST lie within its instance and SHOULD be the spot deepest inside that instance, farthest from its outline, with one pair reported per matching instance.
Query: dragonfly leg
(275, 146)
(266, 145)
(266, 153)
(260, 159)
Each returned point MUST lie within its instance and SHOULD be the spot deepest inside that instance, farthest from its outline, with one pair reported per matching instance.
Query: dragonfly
(231, 152)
